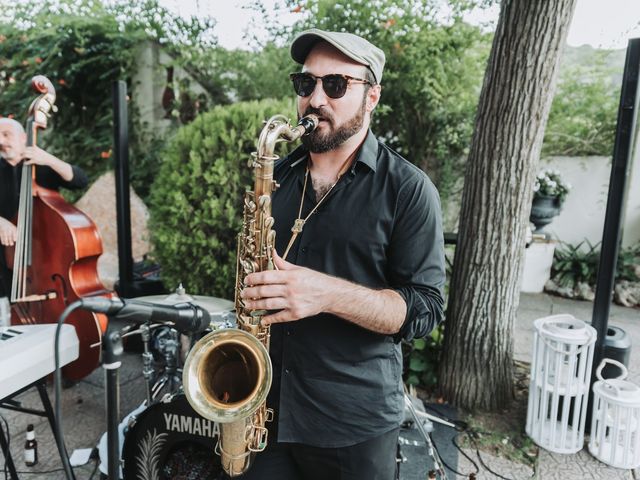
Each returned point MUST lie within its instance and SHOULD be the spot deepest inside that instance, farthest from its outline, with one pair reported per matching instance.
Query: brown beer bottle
(30, 447)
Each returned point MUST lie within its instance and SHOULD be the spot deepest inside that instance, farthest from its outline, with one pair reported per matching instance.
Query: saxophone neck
(278, 130)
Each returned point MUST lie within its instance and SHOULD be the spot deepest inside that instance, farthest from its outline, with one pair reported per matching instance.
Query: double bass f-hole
(63, 287)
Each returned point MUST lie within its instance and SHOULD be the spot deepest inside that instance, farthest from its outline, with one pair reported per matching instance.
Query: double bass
(56, 254)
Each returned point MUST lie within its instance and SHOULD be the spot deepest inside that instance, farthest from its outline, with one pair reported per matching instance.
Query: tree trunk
(476, 369)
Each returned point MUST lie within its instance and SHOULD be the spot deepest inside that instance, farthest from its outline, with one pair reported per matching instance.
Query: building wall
(583, 213)
(149, 83)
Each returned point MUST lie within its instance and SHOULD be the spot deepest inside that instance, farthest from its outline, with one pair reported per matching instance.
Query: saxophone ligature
(227, 374)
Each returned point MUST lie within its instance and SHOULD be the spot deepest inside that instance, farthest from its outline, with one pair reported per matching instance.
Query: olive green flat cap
(353, 46)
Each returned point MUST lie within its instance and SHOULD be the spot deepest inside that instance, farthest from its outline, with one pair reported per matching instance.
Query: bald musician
(51, 173)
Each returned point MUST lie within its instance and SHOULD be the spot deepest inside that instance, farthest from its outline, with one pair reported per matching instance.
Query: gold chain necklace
(298, 223)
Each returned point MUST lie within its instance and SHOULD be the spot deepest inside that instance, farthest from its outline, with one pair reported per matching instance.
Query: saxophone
(227, 374)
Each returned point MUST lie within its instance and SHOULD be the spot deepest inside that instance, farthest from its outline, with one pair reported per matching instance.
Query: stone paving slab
(557, 466)
(501, 466)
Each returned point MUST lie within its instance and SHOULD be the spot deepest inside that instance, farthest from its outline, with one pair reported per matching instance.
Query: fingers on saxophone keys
(274, 303)
(263, 291)
(279, 317)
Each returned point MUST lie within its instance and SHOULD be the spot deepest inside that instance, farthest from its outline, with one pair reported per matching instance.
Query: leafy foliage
(432, 77)
(83, 46)
(197, 198)
(628, 266)
(242, 75)
(573, 264)
(582, 119)
(421, 366)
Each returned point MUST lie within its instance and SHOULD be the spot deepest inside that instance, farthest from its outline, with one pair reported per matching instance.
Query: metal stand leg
(147, 360)
(7, 455)
(111, 352)
(171, 377)
(44, 398)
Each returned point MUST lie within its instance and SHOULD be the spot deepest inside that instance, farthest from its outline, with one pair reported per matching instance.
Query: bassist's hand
(8, 233)
(37, 156)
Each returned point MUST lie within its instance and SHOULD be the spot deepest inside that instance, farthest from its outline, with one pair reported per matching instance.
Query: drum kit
(165, 437)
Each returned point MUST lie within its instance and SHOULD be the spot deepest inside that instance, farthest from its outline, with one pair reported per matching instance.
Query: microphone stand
(433, 453)
(111, 354)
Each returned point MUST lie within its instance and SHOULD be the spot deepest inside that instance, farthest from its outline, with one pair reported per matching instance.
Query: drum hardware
(168, 349)
(424, 423)
(166, 342)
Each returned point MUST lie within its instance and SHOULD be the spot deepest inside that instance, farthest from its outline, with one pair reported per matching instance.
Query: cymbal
(210, 304)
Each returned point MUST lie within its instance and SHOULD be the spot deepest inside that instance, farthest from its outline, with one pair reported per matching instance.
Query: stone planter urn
(543, 209)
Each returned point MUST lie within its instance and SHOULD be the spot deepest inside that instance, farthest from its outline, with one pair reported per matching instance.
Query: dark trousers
(374, 459)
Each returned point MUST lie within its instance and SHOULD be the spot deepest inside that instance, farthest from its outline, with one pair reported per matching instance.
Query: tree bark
(476, 368)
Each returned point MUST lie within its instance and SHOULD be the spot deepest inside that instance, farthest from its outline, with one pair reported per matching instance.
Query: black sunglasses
(334, 85)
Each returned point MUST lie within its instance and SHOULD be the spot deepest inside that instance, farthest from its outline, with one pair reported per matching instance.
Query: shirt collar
(368, 153)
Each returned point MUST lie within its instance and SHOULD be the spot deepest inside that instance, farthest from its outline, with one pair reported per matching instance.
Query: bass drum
(169, 440)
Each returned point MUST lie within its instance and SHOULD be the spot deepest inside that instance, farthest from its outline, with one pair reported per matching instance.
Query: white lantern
(615, 435)
(560, 372)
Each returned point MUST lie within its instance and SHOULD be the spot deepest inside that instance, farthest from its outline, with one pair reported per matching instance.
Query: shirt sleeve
(416, 257)
(48, 178)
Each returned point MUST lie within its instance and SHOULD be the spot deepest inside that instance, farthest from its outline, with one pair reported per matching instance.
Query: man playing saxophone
(360, 267)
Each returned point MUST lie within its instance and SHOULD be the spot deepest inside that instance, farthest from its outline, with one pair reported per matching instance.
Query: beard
(318, 142)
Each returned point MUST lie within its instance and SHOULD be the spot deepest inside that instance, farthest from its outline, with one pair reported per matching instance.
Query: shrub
(582, 120)
(422, 359)
(573, 264)
(197, 197)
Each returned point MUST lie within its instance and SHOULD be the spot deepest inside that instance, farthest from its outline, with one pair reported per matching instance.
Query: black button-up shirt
(335, 383)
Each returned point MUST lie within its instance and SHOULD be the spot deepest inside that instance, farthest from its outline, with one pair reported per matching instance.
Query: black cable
(464, 454)
(58, 387)
(95, 468)
(450, 468)
(462, 427)
(484, 465)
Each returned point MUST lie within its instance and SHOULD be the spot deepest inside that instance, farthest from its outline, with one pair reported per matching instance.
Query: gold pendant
(298, 225)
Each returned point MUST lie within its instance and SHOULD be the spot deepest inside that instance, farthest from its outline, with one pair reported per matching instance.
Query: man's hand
(8, 233)
(37, 156)
(297, 292)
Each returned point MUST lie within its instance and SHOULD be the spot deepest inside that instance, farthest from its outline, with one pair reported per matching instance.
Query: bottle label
(30, 456)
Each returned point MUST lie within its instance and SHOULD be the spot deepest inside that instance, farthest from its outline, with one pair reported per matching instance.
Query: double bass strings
(22, 256)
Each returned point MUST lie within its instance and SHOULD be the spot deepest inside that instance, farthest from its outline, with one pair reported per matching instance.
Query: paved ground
(84, 418)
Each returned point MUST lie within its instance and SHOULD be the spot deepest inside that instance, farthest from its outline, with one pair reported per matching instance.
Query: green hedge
(197, 197)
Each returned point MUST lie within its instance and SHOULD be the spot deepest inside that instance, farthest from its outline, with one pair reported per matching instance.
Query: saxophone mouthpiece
(309, 123)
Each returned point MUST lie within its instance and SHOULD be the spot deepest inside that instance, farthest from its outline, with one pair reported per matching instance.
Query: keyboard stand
(10, 404)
